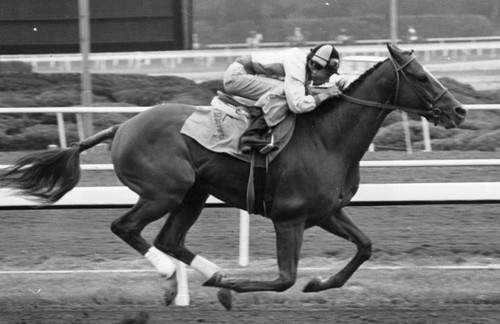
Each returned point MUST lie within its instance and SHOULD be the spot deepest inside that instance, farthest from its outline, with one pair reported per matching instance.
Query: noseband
(431, 112)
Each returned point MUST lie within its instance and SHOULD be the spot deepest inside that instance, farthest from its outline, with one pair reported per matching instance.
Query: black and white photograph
(249, 161)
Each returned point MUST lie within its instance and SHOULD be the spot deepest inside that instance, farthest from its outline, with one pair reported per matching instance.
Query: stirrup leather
(269, 147)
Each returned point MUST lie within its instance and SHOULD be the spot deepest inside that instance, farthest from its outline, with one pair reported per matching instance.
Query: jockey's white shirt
(294, 63)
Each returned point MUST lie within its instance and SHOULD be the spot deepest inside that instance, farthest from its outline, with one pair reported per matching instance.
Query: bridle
(432, 112)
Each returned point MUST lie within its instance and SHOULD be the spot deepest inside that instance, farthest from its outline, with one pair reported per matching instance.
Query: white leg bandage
(162, 262)
(204, 266)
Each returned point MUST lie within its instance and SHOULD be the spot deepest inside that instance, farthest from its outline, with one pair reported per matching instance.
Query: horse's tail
(48, 176)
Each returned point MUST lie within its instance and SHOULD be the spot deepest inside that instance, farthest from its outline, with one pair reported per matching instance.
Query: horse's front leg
(340, 225)
(289, 237)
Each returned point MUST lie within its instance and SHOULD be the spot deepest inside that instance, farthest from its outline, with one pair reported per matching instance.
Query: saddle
(236, 101)
(219, 127)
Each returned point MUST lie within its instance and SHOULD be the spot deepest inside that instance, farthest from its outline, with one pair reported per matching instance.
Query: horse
(308, 184)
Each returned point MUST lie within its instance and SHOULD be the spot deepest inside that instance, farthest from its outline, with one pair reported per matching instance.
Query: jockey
(281, 85)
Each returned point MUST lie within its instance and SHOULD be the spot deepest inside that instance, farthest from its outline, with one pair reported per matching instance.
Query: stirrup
(269, 147)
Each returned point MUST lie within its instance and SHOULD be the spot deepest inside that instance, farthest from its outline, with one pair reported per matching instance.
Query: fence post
(426, 134)
(61, 130)
(244, 237)
(182, 298)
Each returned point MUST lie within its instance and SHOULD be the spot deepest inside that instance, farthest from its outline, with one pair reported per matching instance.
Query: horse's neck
(351, 127)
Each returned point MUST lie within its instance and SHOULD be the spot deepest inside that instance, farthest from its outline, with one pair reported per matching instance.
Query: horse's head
(416, 84)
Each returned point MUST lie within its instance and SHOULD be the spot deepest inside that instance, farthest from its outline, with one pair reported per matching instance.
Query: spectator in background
(343, 37)
(297, 39)
(412, 36)
(196, 45)
(254, 39)
(195, 42)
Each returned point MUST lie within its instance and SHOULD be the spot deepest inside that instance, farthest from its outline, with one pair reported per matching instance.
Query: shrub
(16, 99)
(141, 97)
(460, 142)
(188, 93)
(33, 138)
(212, 85)
(440, 132)
(196, 96)
(393, 117)
(102, 121)
(490, 119)
(15, 67)
(19, 82)
(489, 141)
(11, 125)
(393, 136)
(58, 98)
(40, 136)
(466, 94)
(476, 124)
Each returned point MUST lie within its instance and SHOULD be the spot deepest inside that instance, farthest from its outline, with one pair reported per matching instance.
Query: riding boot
(257, 137)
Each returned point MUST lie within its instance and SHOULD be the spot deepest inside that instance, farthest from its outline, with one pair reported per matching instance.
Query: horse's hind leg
(129, 226)
(340, 225)
(173, 234)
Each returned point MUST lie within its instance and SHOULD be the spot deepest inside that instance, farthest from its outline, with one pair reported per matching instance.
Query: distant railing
(363, 42)
(220, 55)
(462, 39)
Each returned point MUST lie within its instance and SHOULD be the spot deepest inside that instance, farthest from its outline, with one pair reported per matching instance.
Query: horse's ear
(395, 52)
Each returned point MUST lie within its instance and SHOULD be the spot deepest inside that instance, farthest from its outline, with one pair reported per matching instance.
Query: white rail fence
(368, 194)
(59, 111)
(174, 60)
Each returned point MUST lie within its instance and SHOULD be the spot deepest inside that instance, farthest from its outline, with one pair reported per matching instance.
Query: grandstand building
(52, 26)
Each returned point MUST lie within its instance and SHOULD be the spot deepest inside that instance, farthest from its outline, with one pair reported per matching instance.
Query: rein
(432, 112)
(379, 105)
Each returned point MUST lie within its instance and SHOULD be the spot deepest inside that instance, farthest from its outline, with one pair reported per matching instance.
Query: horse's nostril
(461, 112)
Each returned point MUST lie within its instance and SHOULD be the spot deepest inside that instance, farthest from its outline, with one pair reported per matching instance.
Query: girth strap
(257, 181)
(251, 186)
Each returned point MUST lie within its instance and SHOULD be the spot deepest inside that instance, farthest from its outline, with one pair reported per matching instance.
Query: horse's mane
(354, 84)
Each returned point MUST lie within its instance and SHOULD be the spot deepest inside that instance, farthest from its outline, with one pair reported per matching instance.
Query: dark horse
(308, 184)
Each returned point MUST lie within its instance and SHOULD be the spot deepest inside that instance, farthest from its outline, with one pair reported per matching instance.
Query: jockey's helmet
(326, 56)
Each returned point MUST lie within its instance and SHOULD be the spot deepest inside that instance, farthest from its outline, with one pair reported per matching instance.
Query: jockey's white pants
(269, 92)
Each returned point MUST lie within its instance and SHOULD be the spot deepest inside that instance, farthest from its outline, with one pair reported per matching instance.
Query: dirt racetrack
(413, 240)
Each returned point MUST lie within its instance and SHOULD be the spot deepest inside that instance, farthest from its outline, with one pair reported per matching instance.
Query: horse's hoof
(225, 298)
(170, 290)
(313, 286)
